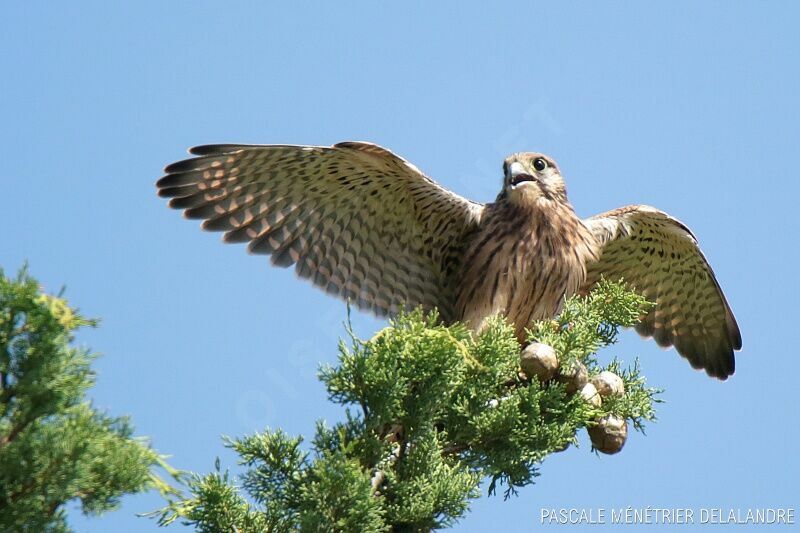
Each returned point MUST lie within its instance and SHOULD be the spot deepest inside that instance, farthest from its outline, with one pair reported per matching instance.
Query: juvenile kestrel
(366, 225)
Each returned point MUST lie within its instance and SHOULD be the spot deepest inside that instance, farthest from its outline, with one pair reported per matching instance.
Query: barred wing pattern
(357, 220)
(659, 257)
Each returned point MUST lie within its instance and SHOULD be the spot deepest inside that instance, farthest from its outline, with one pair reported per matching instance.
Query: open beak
(517, 174)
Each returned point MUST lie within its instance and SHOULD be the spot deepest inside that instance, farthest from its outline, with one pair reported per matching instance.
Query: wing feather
(659, 257)
(358, 221)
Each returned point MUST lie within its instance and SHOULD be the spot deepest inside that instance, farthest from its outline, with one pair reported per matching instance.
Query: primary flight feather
(366, 225)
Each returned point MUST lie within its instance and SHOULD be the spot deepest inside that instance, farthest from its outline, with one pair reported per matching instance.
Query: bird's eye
(539, 164)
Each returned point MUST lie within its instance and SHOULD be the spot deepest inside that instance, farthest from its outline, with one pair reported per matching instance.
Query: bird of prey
(366, 225)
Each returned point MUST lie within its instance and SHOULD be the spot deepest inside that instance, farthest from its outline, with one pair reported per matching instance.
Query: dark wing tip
(216, 149)
(183, 165)
(165, 182)
(734, 333)
(719, 363)
(195, 163)
(168, 192)
(206, 149)
(724, 368)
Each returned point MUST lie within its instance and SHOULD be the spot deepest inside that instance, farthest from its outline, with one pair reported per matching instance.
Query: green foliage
(53, 446)
(430, 411)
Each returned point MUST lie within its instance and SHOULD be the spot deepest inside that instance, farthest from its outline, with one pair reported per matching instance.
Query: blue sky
(691, 107)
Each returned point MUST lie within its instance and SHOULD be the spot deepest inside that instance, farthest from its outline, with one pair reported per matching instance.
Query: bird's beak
(517, 174)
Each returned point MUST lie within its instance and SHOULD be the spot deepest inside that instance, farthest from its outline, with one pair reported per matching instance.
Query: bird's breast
(522, 265)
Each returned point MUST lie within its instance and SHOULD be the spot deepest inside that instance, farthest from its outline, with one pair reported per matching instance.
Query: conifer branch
(439, 411)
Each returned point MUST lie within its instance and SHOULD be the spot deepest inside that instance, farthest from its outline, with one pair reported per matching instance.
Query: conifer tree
(431, 411)
(54, 447)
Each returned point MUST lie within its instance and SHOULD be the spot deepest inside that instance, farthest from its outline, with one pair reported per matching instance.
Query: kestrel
(366, 225)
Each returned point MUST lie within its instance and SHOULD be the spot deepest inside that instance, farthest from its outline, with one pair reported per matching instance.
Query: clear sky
(691, 107)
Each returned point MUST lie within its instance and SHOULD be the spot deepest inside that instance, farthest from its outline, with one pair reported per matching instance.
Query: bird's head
(529, 177)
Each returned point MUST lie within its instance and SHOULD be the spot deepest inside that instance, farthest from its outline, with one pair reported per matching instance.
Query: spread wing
(659, 257)
(355, 219)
